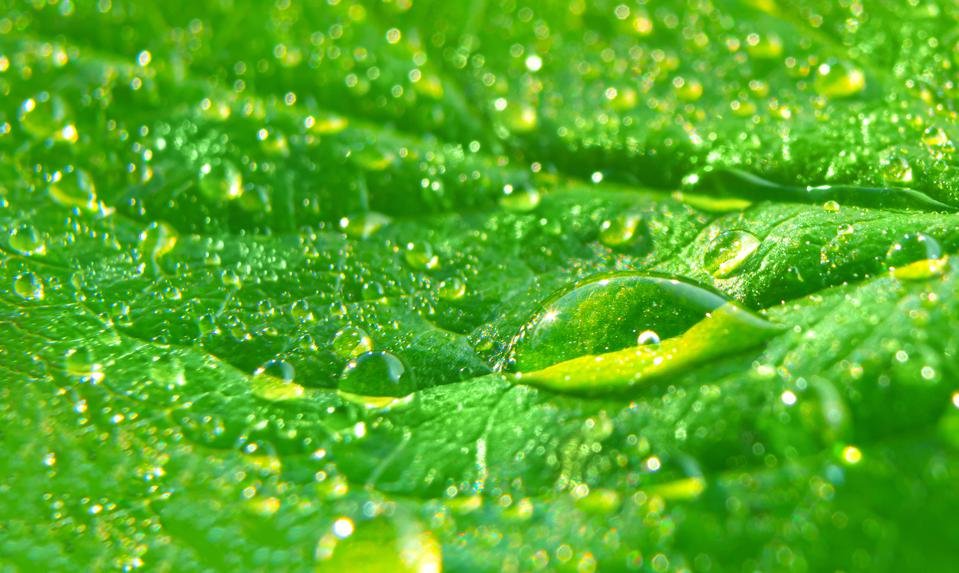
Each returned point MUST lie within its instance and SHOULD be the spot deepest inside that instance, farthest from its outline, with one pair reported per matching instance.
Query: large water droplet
(351, 341)
(912, 247)
(43, 116)
(81, 363)
(419, 256)
(157, 240)
(619, 230)
(74, 188)
(380, 546)
(26, 240)
(376, 374)
(221, 181)
(274, 381)
(520, 199)
(839, 79)
(602, 319)
(728, 252)
(28, 286)
(363, 225)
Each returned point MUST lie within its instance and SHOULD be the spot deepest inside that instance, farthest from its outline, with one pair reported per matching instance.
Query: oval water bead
(274, 381)
(28, 286)
(519, 199)
(44, 115)
(419, 256)
(80, 362)
(220, 181)
(363, 225)
(74, 187)
(451, 289)
(351, 341)
(837, 79)
(728, 252)
(377, 373)
(26, 240)
(611, 331)
(609, 312)
(620, 230)
(912, 247)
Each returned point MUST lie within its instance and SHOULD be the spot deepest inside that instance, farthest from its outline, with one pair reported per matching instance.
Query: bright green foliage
(274, 277)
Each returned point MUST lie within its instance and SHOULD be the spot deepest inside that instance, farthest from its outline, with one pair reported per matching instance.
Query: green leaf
(485, 285)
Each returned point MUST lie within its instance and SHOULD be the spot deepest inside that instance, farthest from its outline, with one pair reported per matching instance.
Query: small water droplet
(728, 252)
(351, 341)
(26, 240)
(376, 373)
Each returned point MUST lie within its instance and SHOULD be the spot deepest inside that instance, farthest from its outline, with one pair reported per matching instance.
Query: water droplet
(363, 225)
(43, 116)
(419, 256)
(376, 374)
(896, 169)
(301, 311)
(351, 341)
(912, 247)
(584, 338)
(519, 199)
(25, 240)
(157, 240)
(230, 279)
(452, 289)
(220, 181)
(839, 79)
(619, 230)
(74, 188)
(764, 46)
(274, 381)
(831, 206)
(647, 337)
(81, 363)
(728, 252)
(28, 286)
(688, 90)
(381, 545)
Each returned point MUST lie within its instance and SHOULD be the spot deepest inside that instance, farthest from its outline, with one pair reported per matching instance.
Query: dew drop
(43, 116)
(521, 199)
(220, 181)
(28, 286)
(274, 381)
(74, 188)
(912, 247)
(351, 341)
(609, 312)
(452, 289)
(363, 225)
(376, 373)
(647, 337)
(837, 79)
(419, 256)
(26, 240)
(728, 252)
(583, 340)
(896, 169)
(619, 230)
(81, 363)
(157, 240)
